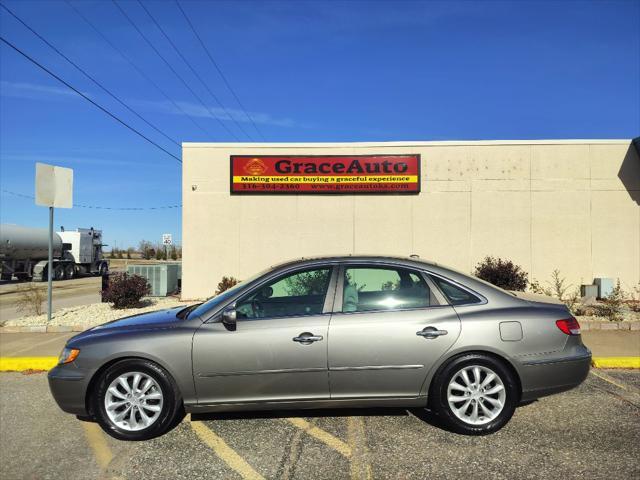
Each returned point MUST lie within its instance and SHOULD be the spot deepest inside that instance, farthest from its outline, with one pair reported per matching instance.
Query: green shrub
(31, 298)
(125, 291)
(611, 306)
(502, 273)
(560, 289)
(634, 302)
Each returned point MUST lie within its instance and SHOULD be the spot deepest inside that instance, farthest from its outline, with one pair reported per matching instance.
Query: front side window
(295, 294)
(383, 288)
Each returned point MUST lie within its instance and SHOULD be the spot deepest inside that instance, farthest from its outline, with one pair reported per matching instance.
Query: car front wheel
(136, 400)
(475, 394)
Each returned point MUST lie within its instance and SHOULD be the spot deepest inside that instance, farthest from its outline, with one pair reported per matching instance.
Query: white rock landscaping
(85, 316)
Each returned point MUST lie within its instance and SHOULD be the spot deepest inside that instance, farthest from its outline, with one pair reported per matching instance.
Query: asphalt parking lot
(591, 432)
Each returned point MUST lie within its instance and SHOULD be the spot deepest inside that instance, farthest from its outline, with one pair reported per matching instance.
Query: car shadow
(306, 413)
(421, 414)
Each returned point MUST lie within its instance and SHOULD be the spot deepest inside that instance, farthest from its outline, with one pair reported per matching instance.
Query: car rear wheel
(136, 400)
(475, 394)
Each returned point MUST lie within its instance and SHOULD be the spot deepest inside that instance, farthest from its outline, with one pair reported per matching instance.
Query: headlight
(68, 355)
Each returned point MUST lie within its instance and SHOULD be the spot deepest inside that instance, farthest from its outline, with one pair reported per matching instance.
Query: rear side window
(455, 295)
(380, 288)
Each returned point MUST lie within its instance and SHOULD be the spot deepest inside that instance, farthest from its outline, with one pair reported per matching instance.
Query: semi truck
(24, 253)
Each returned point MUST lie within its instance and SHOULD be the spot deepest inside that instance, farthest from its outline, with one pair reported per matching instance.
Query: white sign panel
(166, 239)
(54, 186)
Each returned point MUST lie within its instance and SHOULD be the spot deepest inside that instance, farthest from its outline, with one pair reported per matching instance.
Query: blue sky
(305, 71)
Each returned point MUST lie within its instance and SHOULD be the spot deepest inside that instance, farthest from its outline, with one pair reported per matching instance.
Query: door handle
(431, 332)
(307, 338)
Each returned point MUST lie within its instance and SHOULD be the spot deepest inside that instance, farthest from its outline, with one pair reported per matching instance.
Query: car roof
(410, 259)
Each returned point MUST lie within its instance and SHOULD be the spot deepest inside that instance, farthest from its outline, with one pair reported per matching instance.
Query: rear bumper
(68, 387)
(553, 375)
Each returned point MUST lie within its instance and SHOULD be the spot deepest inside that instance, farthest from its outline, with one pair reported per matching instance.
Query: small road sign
(54, 186)
(166, 239)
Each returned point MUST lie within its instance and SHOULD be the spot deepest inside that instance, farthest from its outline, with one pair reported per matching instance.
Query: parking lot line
(98, 443)
(608, 379)
(224, 451)
(322, 435)
(359, 468)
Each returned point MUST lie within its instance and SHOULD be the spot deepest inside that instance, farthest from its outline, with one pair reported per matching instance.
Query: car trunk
(537, 298)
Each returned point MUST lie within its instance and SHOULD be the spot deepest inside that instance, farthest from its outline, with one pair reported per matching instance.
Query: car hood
(157, 319)
(144, 319)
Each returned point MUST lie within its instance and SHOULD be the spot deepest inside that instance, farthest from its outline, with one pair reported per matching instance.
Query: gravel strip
(94, 314)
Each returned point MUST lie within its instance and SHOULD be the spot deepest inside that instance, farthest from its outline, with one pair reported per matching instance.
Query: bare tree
(31, 296)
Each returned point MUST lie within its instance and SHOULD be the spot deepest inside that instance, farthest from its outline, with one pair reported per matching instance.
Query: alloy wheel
(476, 395)
(133, 401)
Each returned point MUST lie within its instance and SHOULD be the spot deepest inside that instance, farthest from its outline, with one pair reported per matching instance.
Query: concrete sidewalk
(602, 343)
(612, 343)
(33, 344)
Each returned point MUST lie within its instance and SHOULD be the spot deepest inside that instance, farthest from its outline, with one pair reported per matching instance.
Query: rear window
(455, 294)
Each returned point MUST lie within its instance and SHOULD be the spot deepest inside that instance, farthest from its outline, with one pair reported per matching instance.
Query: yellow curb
(616, 362)
(19, 364)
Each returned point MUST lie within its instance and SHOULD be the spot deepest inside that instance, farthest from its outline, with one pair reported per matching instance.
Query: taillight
(569, 326)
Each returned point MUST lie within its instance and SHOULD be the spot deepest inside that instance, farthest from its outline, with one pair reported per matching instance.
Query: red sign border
(266, 192)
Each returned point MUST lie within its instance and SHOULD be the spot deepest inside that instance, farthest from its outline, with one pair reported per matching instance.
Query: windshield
(222, 297)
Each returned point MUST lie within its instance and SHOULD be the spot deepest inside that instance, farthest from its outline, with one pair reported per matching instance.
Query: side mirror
(229, 318)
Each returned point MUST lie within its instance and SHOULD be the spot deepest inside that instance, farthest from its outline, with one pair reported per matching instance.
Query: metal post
(50, 266)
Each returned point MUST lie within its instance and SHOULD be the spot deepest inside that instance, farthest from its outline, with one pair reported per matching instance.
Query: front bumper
(68, 386)
(553, 375)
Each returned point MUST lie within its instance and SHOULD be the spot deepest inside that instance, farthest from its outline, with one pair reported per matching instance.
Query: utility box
(163, 277)
(605, 286)
(589, 291)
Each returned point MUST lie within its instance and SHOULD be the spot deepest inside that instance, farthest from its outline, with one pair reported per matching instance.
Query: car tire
(151, 395)
(485, 404)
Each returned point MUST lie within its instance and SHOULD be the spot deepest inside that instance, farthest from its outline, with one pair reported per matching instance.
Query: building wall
(570, 205)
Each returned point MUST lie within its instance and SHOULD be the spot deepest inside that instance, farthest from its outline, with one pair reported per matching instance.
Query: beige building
(572, 205)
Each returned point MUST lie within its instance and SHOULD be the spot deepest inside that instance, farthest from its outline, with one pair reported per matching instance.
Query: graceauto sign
(325, 174)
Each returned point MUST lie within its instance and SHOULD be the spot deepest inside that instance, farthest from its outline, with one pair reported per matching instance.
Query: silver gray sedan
(328, 332)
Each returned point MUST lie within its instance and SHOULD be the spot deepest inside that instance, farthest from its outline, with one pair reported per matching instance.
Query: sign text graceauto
(355, 166)
(325, 174)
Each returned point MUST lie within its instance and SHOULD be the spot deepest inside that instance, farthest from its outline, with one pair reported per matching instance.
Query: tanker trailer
(24, 253)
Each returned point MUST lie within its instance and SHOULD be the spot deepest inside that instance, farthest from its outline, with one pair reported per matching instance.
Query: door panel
(260, 361)
(379, 354)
